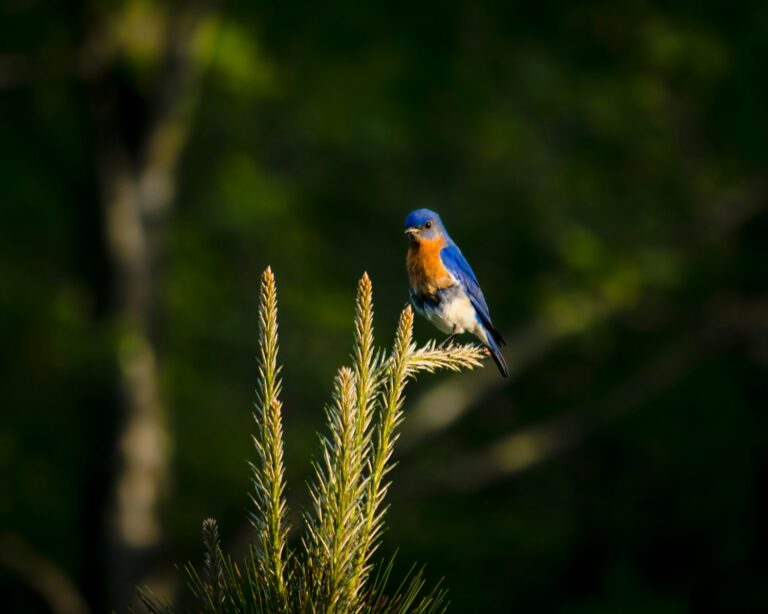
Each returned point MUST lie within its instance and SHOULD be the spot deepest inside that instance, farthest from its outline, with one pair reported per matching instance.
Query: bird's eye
(428, 225)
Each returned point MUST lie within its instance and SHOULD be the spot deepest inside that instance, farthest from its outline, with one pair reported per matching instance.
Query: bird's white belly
(454, 315)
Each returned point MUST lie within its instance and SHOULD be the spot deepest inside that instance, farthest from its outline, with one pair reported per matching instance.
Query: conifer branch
(213, 564)
(364, 364)
(268, 473)
(452, 357)
(336, 493)
(331, 573)
(390, 416)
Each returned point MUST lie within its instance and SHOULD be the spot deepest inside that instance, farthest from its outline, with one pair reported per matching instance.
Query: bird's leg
(445, 341)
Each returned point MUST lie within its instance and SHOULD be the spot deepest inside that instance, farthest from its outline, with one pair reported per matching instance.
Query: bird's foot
(445, 341)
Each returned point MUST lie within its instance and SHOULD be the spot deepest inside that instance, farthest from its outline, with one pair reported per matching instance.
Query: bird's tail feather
(496, 354)
(497, 336)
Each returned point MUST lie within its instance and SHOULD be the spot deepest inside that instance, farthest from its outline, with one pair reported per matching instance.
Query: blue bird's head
(424, 225)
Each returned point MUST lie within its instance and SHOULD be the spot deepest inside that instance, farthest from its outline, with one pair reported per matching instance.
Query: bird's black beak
(411, 231)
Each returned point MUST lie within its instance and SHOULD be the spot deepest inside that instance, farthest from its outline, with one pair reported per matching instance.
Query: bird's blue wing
(457, 264)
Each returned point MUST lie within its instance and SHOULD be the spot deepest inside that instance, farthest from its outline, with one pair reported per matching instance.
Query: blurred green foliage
(602, 165)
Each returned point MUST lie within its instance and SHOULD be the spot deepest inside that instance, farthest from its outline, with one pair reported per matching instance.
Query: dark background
(601, 164)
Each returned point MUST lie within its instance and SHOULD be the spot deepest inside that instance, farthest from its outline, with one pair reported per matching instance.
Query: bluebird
(444, 288)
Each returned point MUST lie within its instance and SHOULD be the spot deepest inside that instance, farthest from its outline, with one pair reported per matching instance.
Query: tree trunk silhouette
(136, 190)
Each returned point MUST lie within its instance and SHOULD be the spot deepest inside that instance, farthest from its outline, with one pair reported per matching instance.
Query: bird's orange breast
(426, 272)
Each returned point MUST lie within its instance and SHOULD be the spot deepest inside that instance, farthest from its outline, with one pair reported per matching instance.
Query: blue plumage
(420, 217)
(443, 286)
(457, 264)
